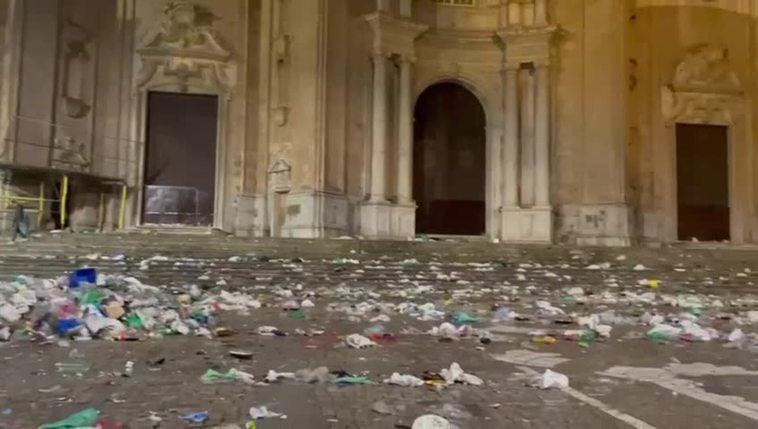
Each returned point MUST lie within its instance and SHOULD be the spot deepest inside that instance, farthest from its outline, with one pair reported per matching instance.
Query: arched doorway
(449, 149)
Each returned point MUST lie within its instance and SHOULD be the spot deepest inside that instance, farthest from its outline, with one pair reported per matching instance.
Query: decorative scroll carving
(704, 89)
(186, 51)
(77, 43)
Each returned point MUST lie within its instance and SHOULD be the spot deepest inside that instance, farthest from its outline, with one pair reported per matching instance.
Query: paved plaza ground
(513, 294)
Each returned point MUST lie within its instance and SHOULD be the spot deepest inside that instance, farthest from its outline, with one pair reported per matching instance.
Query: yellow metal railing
(8, 203)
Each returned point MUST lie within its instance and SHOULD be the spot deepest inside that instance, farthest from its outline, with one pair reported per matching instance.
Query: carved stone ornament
(186, 51)
(280, 176)
(70, 155)
(704, 90)
(706, 68)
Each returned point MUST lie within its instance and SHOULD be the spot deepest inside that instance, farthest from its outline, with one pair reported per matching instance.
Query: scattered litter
(431, 421)
(83, 419)
(551, 379)
(241, 354)
(199, 417)
(257, 413)
(404, 380)
(358, 341)
(455, 374)
(213, 376)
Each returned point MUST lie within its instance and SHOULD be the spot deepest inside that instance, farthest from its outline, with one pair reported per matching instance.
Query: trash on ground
(551, 379)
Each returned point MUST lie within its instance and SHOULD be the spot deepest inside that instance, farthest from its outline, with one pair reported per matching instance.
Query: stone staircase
(205, 259)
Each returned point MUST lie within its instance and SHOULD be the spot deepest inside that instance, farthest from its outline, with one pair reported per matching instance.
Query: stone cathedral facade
(607, 122)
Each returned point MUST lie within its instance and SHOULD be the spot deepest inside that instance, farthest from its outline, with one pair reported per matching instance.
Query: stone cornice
(393, 35)
(528, 44)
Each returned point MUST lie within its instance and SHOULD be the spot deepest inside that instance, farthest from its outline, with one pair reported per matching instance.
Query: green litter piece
(297, 314)
(465, 319)
(213, 376)
(658, 338)
(134, 321)
(354, 379)
(696, 311)
(83, 419)
(92, 297)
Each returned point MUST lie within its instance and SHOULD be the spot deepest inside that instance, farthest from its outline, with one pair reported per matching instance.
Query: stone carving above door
(704, 90)
(186, 52)
(706, 68)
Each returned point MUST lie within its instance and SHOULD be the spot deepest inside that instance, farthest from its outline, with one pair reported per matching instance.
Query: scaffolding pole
(64, 201)
(122, 208)
(41, 204)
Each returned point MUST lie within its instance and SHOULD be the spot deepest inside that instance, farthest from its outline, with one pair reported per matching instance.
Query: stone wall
(682, 74)
(308, 135)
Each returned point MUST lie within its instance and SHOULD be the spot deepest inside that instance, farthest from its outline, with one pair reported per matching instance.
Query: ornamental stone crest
(706, 67)
(704, 89)
(186, 51)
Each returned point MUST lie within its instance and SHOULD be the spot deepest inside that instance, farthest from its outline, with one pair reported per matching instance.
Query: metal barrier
(177, 205)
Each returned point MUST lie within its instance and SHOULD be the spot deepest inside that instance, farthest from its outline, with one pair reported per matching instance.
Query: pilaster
(394, 39)
(527, 213)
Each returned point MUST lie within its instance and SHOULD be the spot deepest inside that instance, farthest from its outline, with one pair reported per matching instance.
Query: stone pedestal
(376, 220)
(596, 224)
(404, 221)
(250, 219)
(527, 225)
(312, 214)
(384, 220)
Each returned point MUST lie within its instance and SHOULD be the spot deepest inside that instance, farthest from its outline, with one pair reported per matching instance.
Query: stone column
(527, 14)
(379, 130)
(542, 138)
(514, 13)
(406, 8)
(405, 135)
(511, 140)
(540, 13)
(527, 137)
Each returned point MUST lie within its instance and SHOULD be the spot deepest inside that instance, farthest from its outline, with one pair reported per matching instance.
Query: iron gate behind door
(178, 205)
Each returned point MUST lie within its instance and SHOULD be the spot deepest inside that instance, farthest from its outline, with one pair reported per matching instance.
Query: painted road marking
(530, 358)
(667, 378)
(626, 418)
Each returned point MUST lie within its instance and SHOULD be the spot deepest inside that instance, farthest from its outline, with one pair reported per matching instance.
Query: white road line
(666, 378)
(626, 418)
